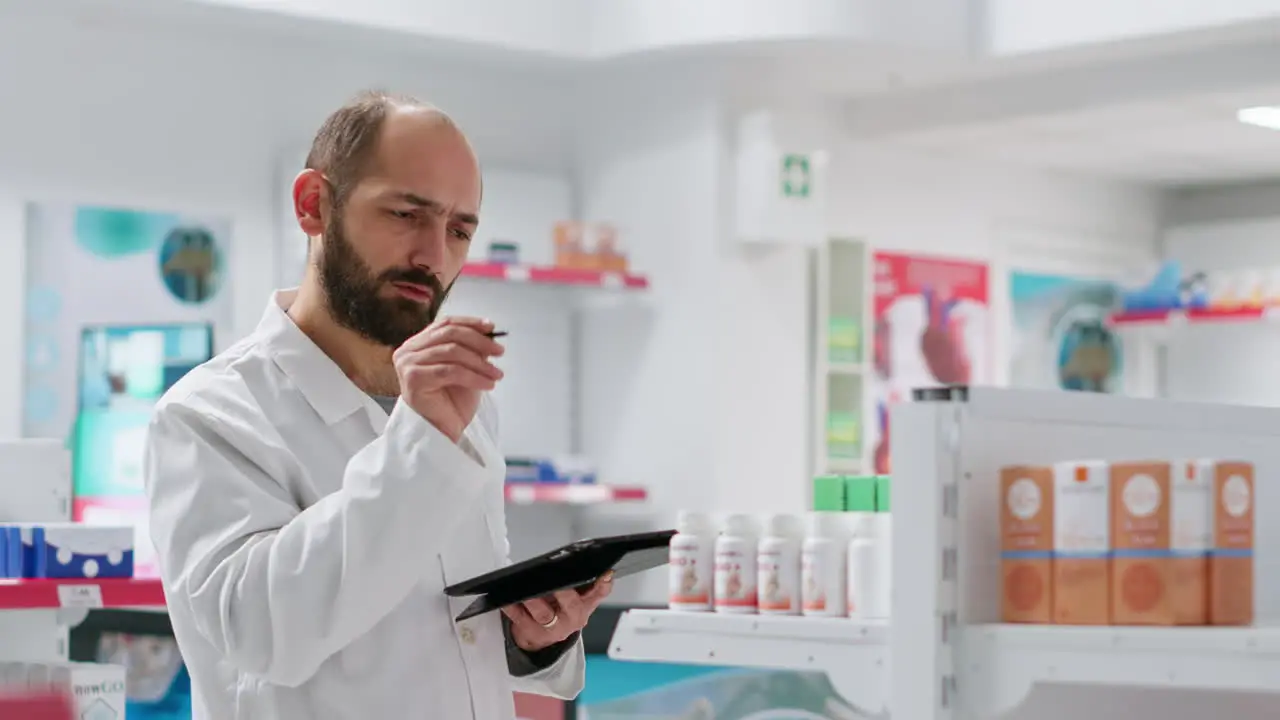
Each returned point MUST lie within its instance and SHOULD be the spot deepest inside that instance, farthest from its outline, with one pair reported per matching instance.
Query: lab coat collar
(327, 389)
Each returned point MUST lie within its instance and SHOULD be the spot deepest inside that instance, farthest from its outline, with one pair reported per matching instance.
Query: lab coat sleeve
(275, 589)
(559, 673)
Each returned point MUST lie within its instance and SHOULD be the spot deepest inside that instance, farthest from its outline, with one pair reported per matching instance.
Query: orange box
(569, 240)
(1231, 557)
(1141, 530)
(1026, 544)
(1081, 543)
(1190, 539)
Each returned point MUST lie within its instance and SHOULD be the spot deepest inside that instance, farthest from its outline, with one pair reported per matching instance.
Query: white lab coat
(304, 538)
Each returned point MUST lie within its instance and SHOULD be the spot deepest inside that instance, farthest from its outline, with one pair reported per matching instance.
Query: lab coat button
(468, 635)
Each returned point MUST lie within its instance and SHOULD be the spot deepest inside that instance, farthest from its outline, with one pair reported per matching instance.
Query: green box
(860, 494)
(844, 340)
(882, 493)
(844, 435)
(828, 493)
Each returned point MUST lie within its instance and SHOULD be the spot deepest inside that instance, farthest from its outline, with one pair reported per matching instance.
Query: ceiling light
(1264, 116)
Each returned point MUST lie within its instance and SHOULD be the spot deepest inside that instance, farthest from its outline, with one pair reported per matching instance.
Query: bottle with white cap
(692, 562)
(735, 589)
(778, 566)
(822, 561)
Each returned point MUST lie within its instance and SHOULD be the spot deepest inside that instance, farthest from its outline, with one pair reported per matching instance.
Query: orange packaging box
(1081, 543)
(1142, 562)
(1026, 544)
(1191, 495)
(1231, 557)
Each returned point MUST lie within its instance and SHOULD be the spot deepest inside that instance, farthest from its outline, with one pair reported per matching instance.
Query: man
(315, 487)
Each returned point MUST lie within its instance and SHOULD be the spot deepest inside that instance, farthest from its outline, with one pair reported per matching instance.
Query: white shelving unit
(945, 654)
(852, 654)
(841, 354)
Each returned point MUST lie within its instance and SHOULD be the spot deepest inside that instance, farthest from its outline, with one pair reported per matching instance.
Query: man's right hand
(444, 368)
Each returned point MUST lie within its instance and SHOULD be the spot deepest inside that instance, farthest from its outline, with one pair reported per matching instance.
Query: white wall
(162, 115)
(1227, 228)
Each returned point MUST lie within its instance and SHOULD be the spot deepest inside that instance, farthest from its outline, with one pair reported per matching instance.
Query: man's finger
(518, 614)
(483, 325)
(456, 354)
(571, 606)
(540, 610)
(467, 336)
(599, 590)
(480, 326)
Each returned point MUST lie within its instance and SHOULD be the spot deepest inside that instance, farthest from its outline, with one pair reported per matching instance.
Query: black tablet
(576, 565)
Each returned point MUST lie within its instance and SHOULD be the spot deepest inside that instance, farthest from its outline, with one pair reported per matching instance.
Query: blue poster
(1060, 336)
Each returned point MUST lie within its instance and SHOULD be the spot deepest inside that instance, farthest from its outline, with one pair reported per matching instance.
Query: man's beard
(354, 292)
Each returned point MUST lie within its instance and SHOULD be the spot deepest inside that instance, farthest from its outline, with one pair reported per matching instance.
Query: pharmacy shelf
(566, 494)
(45, 706)
(555, 276)
(1169, 319)
(854, 655)
(80, 594)
(1004, 662)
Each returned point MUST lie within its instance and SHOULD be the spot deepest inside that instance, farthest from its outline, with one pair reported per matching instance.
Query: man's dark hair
(346, 141)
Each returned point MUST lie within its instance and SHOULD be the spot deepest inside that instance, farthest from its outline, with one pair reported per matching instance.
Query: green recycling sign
(796, 175)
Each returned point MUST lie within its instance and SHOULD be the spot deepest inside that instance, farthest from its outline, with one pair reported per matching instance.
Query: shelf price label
(80, 596)
(611, 281)
(517, 273)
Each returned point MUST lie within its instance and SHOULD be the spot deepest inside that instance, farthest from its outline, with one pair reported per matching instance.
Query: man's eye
(402, 214)
(461, 234)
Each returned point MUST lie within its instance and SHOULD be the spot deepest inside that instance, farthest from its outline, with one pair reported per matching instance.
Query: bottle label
(688, 584)
(735, 584)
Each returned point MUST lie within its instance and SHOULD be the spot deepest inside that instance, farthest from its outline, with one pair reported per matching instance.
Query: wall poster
(932, 328)
(120, 303)
(1060, 338)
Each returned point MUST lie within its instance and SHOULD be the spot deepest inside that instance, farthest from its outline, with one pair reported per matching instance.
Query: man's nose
(429, 248)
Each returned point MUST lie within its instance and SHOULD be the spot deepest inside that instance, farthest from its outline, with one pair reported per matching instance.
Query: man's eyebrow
(437, 206)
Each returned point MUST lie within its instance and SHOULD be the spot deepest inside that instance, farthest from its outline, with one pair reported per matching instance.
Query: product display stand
(949, 657)
(840, 358)
(35, 486)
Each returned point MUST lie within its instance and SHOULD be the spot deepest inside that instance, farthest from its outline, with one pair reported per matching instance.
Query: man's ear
(311, 201)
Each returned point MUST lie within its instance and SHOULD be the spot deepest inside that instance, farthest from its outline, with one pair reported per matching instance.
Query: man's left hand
(543, 622)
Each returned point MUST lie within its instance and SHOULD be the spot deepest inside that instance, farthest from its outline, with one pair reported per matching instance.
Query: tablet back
(573, 565)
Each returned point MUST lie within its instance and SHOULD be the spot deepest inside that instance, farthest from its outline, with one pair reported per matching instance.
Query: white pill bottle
(692, 563)
(870, 555)
(823, 567)
(778, 566)
(735, 588)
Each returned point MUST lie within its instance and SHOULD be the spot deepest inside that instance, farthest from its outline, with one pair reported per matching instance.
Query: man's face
(393, 249)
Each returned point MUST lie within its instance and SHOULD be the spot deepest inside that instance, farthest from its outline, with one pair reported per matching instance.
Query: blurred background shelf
(551, 275)
(553, 493)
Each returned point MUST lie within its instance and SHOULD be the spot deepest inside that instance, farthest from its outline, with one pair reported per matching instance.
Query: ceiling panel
(1182, 140)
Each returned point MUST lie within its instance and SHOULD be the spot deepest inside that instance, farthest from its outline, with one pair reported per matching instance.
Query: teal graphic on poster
(119, 232)
(648, 691)
(191, 264)
(1060, 336)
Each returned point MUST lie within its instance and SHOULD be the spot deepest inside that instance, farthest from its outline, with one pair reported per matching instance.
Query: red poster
(931, 328)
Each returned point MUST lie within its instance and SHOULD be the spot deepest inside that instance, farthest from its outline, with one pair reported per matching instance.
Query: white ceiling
(1183, 141)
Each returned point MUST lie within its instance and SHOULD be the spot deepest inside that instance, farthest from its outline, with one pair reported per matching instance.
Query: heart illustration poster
(932, 328)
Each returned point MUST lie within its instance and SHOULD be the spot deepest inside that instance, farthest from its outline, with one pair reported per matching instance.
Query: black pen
(496, 334)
